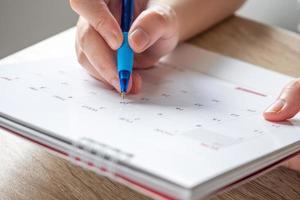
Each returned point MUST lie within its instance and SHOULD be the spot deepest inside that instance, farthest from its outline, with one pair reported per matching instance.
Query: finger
(145, 60)
(115, 8)
(287, 105)
(136, 83)
(157, 22)
(98, 15)
(84, 62)
(293, 163)
(99, 55)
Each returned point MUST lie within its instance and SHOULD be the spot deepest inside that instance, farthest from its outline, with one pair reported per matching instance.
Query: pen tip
(123, 95)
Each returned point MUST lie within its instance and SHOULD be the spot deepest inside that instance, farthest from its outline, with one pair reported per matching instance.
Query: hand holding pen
(158, 26)
(152, 35)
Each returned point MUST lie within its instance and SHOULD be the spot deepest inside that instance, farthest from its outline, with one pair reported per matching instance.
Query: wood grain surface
(28, 172)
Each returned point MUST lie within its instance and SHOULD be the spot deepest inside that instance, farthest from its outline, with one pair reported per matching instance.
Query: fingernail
(276, 107)
(115, 83)
(140, 38)
(113, 40)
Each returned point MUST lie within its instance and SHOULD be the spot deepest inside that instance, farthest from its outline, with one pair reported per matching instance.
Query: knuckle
(75, 4)
(291, 90)
(100, 23)
(84, 35)
(102, 18)
(295, 84)
(165, 14)
(102, 69)
(81, 58)
(161, 17)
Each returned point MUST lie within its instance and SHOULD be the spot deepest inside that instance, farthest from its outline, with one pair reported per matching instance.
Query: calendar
(196, 109)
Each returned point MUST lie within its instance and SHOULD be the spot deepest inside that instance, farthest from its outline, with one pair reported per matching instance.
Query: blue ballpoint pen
(125, 55)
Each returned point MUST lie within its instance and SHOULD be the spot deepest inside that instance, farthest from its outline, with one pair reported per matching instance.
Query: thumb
(157, 22)
(287, 105)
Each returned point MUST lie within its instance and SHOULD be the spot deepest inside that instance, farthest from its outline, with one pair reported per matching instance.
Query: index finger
(99, 16)
(287, 105)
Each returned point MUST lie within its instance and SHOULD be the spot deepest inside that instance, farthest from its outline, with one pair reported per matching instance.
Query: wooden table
(28, 172)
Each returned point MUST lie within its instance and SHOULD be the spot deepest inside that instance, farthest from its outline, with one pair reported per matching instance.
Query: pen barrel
(127, 14)
(125, 55)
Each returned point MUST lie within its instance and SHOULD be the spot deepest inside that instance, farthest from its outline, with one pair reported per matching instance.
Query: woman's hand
(287, 104)
(153, 34)
(285, 107)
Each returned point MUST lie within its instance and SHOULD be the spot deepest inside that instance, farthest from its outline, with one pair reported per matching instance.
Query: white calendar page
(198, 116)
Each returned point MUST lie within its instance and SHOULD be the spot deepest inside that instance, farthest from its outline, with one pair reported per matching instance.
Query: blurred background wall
(25, 22)
(283, 13)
